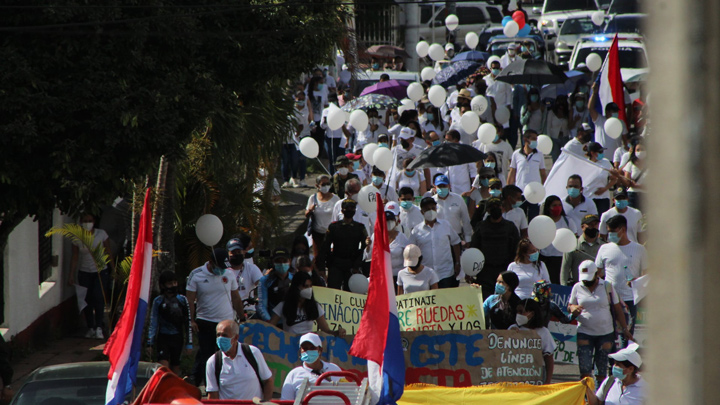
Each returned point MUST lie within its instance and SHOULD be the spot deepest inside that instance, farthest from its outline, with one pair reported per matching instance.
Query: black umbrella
(532, 71)
(446, 154)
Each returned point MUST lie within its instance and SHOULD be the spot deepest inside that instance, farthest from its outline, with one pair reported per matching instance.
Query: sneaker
(295, 183)
(90, 334)
(99, 333)
(286, 184)
(302, 183)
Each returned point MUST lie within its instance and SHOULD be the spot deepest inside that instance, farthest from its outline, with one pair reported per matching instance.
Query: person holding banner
(500, 308)
(529, 317)
(312, 367)
(601, 196)
(415, 277)
(528, 267)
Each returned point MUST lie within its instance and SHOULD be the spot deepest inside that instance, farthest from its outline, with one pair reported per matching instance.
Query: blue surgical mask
(436, 143)
(621, 204)
(617, 372)
(495, 72)
(376, 66)
(443, 192)
(573, 192)
(383, 145)
(251, 251)
(495, 193)
(484, 182)
(282, 267)
(356, 165)
(430, 116)
(533, 144)
(489, 164)
(584, 89)
(497, 139)
(517, 204)
(615, 115)
(534, 98)
(320, 86)
(534, 256)
(410, 173)
(377, 181)
(524, 48)
(406, 205)
(309, 356)
(580, 104)
(218, 271)
(601, 156)
(224, 343)
(499, 289)
(613, 237)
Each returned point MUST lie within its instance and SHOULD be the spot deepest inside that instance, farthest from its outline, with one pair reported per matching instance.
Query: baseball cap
(587, 270)
(464, 93)
(586, 127)
(595, 147)
(494, 181)
(442, 180)
(411, 254)
(512, 46)
(406, 133)
(449, 46)
(628, 354)
(393, 207)
(342, 160)
(234, 244)
(352, 156)
(281, 252)
(589, 219)
(620, 192)
(311, 338)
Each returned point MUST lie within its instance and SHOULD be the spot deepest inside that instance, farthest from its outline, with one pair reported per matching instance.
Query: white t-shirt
(410, 219)
(214, 300)
(86, 263)
(564, 222)
(397, 246)
(460, 176)
(429, 126)
(302, 324)
(595, 318)
(632, 394)
(528, 274)
(556, 125)
(527, 167)
(503, 151)
(403, 180)
(387, 193)
(622, 263)
(548, 342)
(600, 181)
(636, 174)
(322, 217)
(247, 279)
(237, 377)
(577, 213)
(412, 282)
(454, 210)
(633, 217)
(619, 156)
(296, 376)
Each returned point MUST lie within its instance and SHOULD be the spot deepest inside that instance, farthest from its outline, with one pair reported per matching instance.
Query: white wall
(25, 299)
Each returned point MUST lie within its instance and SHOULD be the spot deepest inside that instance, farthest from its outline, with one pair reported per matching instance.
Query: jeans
(332, 146)
(632, 308)
(95, 309)
(207, 347)
(289, 159)
(593, 351)
(448, 282)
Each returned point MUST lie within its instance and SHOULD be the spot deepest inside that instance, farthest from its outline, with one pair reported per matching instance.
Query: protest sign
(446, 358)
(445, 309)
(565, 334)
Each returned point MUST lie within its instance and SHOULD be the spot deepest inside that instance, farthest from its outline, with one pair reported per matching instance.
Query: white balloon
(479, 104)
(367, 198)
(472, 261)
(427, 73)
(309, 147)
(541, 231)
(339, 60)
(451, 22)
(437, 95)
(511, 29)
(436, 52)
(405, 104)
(487, 133)
(534, 192)
(492, 59)
(209, 229)
(422, 49)
(545, 144)
(502, 114)
(335, 117)
(598, 17)
(345, 76)
(358, 284)
(368, 152)
(613, 127)
(565, 240)
(359, 120)
(415, 91)
(470, 122)
(472, 40)
(383, 159)
(593, 62)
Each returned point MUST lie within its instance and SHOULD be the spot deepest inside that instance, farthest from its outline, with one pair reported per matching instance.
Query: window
(495, 15)
(45, 256)
(569, 5)
(470, 15)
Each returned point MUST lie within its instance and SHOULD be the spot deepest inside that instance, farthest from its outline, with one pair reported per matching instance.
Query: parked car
(631, 52)
(555, 12)
(74, 384)
(571, 30)
(625, 24)
(473, 17)
(498, 45)
(485, 35)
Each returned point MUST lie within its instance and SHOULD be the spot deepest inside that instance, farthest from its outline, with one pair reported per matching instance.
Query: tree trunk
(164, 217)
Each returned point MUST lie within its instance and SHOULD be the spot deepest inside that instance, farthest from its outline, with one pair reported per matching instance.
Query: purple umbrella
(392, 88)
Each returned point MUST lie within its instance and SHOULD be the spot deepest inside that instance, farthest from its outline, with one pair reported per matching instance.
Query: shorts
(169, 348)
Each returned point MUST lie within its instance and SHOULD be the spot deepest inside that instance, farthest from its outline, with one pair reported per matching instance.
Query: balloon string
(316, 158)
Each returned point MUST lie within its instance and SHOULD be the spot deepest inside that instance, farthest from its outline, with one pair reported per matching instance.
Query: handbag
(311, 221)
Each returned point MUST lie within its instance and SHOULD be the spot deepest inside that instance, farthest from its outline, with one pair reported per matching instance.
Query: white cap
(393, 207)
(587, 270)
(411, 254)
(312, 338)
(449, 46)
(406, 133)
(628, 354)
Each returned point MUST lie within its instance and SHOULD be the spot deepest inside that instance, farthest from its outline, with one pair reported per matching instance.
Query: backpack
(173, 310)
(248, 355)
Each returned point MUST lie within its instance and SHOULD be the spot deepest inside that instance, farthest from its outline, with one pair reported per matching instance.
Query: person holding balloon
(550, 255)
(528, 267)
(611, 111)
(527, 166)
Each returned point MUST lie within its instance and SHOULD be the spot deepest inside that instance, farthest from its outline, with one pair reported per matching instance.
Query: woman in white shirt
(528, 267)
(601, 196)
(529, 317)
(635, 172)
(415, 277)
(398, 242)
(552, 257)
(320, 206)
(415, 179)
(625, 385)
(434, 123)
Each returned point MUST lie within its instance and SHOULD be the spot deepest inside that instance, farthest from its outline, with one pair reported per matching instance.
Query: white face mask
(641, 155)
(88, 226)
(354, 197)
(391, 225)
(521, 320)
(373, 121)
(343, 171)
(324, 189)
(306, 293)
(430, 215)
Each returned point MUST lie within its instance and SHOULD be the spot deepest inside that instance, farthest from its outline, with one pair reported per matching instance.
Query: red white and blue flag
(123, 346)
(611, 84)
(378, 337)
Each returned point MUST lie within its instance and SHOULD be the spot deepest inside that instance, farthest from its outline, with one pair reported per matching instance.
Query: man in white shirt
(212, 294)
(576, 206)
(410, 214)
(584, 135)
(439, 243)
(633, 216)
(387, 191)
(312, 367)
(460, 176)
(526, 166)
(624, 261)
(509, 57)
(611, 111)
(243, 373)
(451, 207)
(247, 275)
(500, 93)
(406, 148)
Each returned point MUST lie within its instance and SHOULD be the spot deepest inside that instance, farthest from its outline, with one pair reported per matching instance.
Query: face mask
(534, 98)
(436, 143)
(517, 204)
(320, 86)
(499, 289)
(485, 183)
(309, 356)
(443, 192)
(580, 104)
(589, 283)
(601, 156)
(621, 204)
(511, 53)
(391, 225)
(430, 116)
(376, 66)
(495, 193)
(224, 343)
(405, 144)
(523, 48)
(496, 140)
(236, 260)
(573, 192)
(533, 144)
(613, 237)
(377, 181)
(299, 104)
(641, 154)
(249, 253)
(356, 165)
(343, 171)
(495, 213)
(495, 72)
(373, 121)
(489, 164)
(591, 233)
(382, 145)
(534, 257)
(615, 115)
(556, 211)
(218, 271)
(282, 268)
(521, 320)
(325, 189)
(88, 226)
(406, 205)
(430, 215)
(306, 293)
(617, 372)
(410, 173)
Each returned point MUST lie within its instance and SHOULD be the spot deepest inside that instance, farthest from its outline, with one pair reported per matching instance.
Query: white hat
(587, 270)
(449, 46)
(312, 338)
(411, 254)
(393, 207)
(628, 354)
(406, 133)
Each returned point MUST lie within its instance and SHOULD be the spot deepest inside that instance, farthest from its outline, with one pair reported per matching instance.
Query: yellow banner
(570, 393)
(448, 309)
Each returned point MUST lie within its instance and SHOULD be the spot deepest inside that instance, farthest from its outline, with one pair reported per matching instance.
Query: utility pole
(412, 35)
